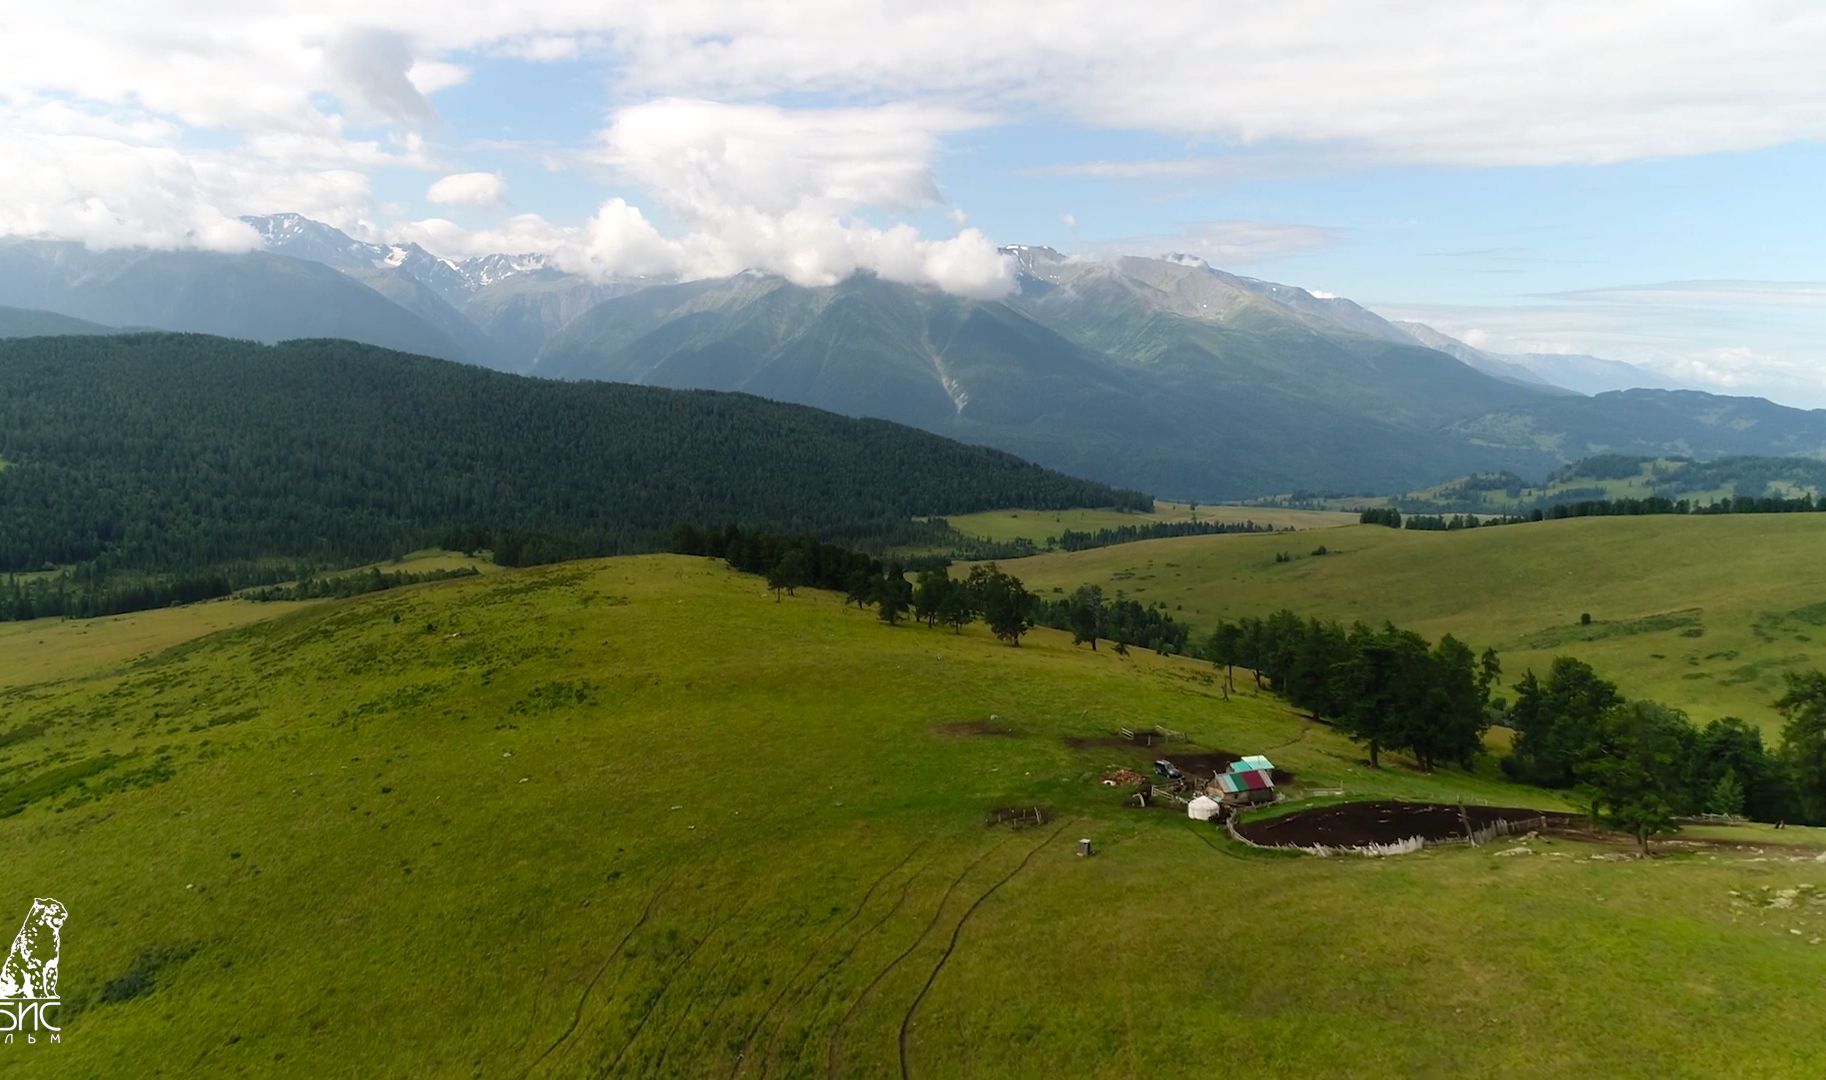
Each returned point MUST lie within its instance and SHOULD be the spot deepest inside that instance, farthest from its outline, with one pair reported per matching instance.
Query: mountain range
(1163, 374)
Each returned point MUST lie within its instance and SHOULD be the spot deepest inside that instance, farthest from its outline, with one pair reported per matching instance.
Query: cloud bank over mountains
(154, 121)
(809, 141)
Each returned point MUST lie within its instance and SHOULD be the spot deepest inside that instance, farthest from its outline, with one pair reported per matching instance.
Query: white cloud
(1476, 82)
(108, 193)
(784, 190)
(368, 69)
(543, 48)
(430, 76)
(759, 187)
(1069, 220)
(469, 189)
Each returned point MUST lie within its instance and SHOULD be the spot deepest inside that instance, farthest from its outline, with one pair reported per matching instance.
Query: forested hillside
(197, 457)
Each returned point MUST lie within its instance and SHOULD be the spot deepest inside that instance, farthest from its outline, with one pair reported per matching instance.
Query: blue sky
(1638, 180)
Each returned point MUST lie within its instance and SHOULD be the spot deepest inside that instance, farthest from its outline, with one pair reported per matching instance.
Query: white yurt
(1203, 808)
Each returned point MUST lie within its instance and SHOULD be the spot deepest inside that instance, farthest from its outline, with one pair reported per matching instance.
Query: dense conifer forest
(150, 468)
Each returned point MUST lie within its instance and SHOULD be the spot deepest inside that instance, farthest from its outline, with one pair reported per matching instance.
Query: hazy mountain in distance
(1578, 373)
(25, 322)
(1595, 374)
(1487, 362)
(254, 295)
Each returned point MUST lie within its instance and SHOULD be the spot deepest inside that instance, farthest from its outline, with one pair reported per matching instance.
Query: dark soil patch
(1019, 817)
(1351, 824)
(968, 728)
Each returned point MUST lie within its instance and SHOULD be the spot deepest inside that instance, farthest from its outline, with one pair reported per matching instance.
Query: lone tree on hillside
(1225, 648)
(955, 608)
(859, 589)
(1804, 736)
(1634, 768)
(1554, 720)
(1006, 604)
(1084, 611)
(929, 595)
(893, 594)
(787, 574)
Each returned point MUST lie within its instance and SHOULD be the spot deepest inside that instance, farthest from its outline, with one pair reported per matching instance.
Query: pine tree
(1727, 796)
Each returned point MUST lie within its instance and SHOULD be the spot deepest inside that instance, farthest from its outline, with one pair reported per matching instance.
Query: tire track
(583, 999)
(1305, 727)
(956, 932)
(906, 889)
(755, 1028)
(666, 985)
(837, 1033)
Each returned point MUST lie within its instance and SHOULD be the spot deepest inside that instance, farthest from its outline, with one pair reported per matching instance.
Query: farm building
(1252, 763)
(1247, 786)
(1203, 808)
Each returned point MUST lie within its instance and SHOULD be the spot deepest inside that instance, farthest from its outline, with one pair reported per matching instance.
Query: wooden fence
(1500, 827)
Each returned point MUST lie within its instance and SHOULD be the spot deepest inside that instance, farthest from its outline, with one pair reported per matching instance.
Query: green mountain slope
(178, 452)
(255, 295)
(633, 817)
(422, 300)
(1653, 423)
(521, 313)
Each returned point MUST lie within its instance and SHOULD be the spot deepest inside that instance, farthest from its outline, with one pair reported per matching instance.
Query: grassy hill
(1703, 613)
(633, 817)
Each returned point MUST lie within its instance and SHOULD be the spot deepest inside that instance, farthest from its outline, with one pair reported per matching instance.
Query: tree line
(1648, 763)
(977, 549)
(932, 596)
(1625, 507)
(1387, 688)
(1641, 764)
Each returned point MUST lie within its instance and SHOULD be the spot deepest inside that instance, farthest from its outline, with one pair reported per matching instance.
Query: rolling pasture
(1040, 525)
(1703, 613)
(634, 817)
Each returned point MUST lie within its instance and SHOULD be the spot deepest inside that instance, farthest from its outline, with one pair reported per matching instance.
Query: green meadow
(1038, 526)
(634, 817)
(1704, 613)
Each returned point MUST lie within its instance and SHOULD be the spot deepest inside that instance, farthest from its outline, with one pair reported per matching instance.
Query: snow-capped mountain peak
(302, 238)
